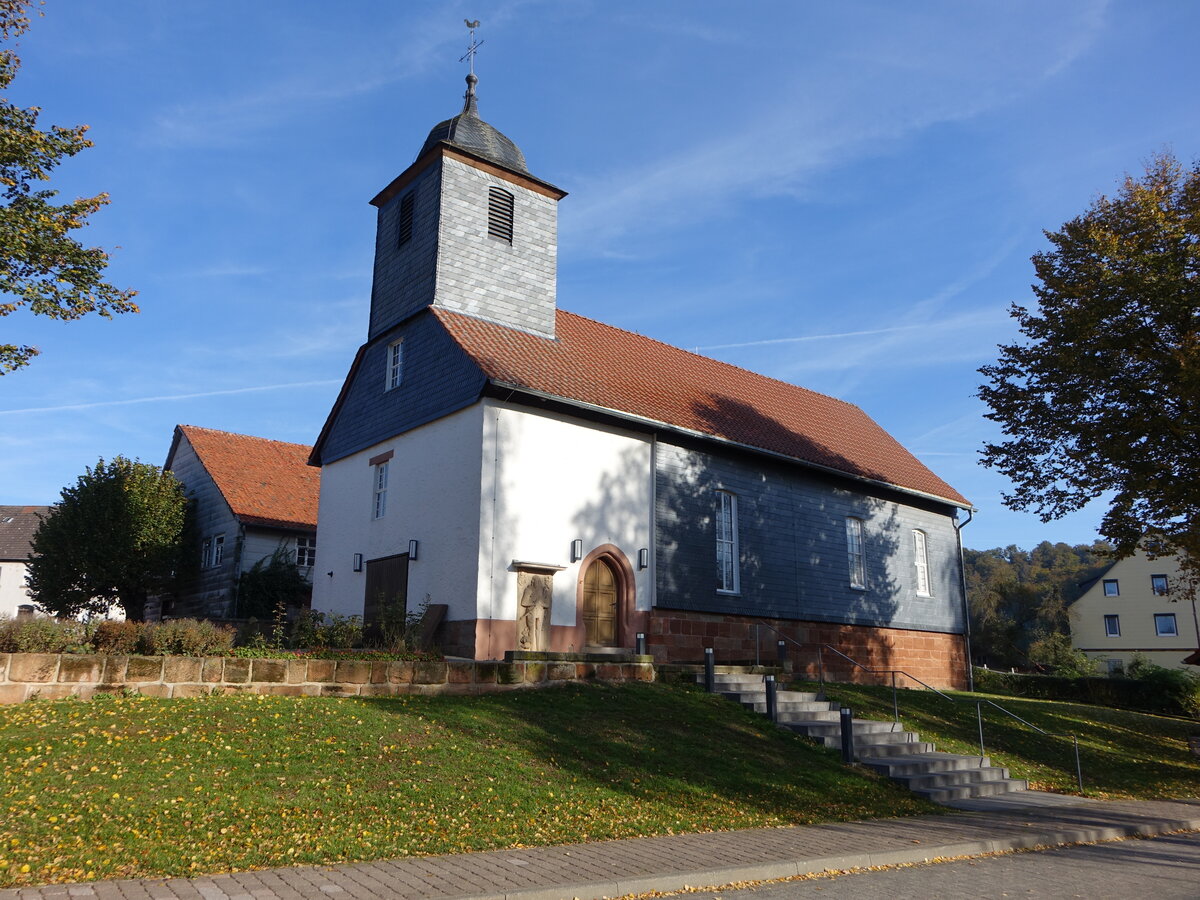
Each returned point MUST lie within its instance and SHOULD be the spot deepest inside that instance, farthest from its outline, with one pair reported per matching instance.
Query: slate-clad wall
(210, 592)
(438, 379)
(404, 276)
(792, 541)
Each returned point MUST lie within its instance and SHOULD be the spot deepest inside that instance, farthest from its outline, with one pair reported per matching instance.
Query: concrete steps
(882, 746)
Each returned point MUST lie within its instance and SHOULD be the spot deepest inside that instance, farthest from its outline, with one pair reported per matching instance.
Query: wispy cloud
(168, 397)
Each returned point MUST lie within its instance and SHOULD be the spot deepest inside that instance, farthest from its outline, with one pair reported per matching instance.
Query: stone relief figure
(534, 615)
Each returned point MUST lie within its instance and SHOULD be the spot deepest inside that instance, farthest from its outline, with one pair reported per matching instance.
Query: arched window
(500, 214)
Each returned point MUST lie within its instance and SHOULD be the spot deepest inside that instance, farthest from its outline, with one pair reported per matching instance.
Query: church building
(560, 484)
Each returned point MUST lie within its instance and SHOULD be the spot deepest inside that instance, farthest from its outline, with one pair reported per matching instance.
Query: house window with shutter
(404, 226)
(500, 214)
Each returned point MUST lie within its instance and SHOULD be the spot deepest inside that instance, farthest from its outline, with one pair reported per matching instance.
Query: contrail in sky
(812, 337)
(100, 403)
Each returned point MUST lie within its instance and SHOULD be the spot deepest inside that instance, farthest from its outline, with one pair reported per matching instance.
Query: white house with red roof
(17, 525)
(560, 484)
(252, 496)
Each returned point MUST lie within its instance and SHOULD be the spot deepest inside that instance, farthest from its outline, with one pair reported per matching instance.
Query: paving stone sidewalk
(615, 868)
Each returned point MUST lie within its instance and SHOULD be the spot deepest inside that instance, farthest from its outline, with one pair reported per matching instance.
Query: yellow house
(1130, 610)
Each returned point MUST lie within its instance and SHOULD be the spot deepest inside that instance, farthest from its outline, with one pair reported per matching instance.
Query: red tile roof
(17, 525)
(602, 366)
(264, 482)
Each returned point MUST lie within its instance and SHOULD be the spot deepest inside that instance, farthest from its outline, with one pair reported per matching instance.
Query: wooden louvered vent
(404, 229)
(500, 214)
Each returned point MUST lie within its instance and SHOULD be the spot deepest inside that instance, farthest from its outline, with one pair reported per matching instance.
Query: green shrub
(318, 631)
(1159, 690)
(44, 634)
(117, 637)
(1056, 653)
(185, 637)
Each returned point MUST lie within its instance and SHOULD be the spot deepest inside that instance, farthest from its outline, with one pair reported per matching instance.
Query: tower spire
(469, 98)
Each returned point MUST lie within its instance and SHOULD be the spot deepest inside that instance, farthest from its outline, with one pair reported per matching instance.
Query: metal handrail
(978, 702)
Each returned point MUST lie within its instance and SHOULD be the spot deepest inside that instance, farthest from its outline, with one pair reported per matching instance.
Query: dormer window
(500, 214)
(404, 226)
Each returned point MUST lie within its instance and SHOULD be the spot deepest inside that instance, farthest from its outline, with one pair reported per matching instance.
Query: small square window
(1112, 626)
(1159, 585)
(1111, 588)
(1164, 625)
(395, 364)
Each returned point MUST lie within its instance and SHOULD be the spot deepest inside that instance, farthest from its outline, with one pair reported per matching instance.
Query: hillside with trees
(1019, 600)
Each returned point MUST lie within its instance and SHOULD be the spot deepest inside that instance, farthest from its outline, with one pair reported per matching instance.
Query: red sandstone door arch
(595, 599)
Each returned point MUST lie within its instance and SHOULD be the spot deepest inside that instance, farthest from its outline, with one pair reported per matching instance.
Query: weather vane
(471, 50)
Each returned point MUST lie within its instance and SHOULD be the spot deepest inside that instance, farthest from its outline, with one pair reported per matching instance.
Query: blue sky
(845, 196)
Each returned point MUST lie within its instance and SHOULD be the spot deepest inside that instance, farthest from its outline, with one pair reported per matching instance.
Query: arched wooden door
(600, 596)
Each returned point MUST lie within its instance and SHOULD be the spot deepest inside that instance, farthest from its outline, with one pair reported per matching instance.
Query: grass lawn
(1123, 754)
(129, 786)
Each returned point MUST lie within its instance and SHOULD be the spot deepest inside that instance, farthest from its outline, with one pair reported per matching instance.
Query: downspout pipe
(962, 577)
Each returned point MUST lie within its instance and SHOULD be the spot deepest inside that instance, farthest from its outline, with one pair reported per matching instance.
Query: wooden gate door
(387, 591)
(600, 604)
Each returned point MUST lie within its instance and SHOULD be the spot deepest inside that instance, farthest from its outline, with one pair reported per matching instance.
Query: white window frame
(306, 549)
(728, 576)
(1155, 581)
(379, 505)
(1161, 619)
(855, 554)
(921, 561)
(1115, 585)
(394, 365)
(218, 550)
(1114, 620)
(206, 553)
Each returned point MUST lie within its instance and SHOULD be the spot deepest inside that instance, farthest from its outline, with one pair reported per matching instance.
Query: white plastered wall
(433, 498)
(12, 587)
(549, 479)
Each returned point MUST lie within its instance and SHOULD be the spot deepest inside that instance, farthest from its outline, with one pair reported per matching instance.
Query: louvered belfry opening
(500, 214)
(404, 229)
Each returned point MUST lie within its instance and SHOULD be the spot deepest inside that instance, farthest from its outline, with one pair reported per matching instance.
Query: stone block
(297, 671)
(13, 693)
(400, 672)
(321, 670)
(584, 671)
(561, 671)
(281, 690)
(52, 691)
(4, 657)
(426, 672)
(180, 669)
(460, 672)
(353, 671)
(609, 672)
(155, 690)
(192, 690)
(213, 670)
(379, 690)
(379, 672)
(510, 673)
(535, 672)
(642, 672)
(485, 673)
(237, 671)
(33, 667)
(339, 690)
(80, 669)
(144, 668)
(271, 671)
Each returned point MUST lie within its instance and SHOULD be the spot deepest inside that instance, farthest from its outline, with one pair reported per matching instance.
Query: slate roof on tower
(469, 132)
(264, 482)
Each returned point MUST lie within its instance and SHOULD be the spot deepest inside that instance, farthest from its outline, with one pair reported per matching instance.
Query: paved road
(1164, 868)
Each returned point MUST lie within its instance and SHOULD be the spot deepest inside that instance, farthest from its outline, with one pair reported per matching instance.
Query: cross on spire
(473, 47)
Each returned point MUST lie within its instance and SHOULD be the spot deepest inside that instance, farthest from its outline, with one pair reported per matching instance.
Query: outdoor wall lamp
(412, 550)
(357, 562)
(643, 558)
(576, 550)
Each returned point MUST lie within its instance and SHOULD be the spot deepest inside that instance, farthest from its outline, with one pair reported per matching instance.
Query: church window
(404, 227)
(921, 559)
(727, 543)
(218, 550)
(855, 554)
(395, 364)
(306, 552)
(500, 214)
(381, 480)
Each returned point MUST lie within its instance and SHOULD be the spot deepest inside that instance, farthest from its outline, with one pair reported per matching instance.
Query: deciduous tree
(42, 267)
(116, 536)
(1102, 397)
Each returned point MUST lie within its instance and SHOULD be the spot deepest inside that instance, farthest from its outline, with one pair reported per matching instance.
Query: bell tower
(467, 228)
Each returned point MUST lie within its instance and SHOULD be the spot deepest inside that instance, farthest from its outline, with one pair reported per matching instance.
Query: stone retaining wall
(24, 676)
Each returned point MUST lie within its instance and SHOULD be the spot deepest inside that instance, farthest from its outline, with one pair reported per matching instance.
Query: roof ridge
(252, 437)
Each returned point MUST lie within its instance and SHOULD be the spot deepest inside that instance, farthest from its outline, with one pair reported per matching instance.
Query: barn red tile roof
(602, 366)
(17, 525)
(264, 482)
